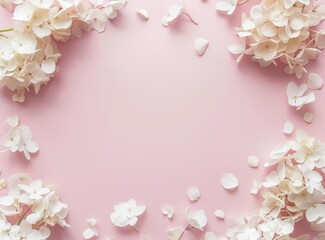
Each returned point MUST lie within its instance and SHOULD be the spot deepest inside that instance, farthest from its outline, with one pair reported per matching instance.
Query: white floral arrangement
(30, 210)
(279, 32)
(293, 191)
(28, 51)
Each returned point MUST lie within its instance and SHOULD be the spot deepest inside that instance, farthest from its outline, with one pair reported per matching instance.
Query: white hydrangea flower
(36, 208)
(175, 12)
(19, 138)
(279, 31)
(127, 213)
(28, 52)
(296, 97)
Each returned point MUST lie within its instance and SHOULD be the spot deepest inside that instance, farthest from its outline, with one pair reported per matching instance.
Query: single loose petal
(201, 45)
(229, 181)
(193, 193)
(308, 117)
(143, 13)
(315, 81)
(253, 161)
(287, 127)
(219, 214)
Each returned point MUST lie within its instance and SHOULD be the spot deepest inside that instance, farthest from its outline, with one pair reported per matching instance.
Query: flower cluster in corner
(28, 51)
(19, 138)
(280, 31)
(30, 210)
(292, 192)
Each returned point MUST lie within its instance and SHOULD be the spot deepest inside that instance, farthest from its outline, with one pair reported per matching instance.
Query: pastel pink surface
(135, 113)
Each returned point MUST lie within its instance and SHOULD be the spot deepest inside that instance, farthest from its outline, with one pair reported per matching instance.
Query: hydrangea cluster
(28, 51)
(30, 209)
(293, 191)
(19, 138)
(280, 31)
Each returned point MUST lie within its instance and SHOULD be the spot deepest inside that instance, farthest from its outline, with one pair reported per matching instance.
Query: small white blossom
(127, 213)
(19, 138)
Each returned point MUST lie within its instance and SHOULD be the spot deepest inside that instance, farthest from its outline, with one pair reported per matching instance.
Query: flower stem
(189, 16)
(6, 150)
(24, 215)
(136, 228)
(6, 30)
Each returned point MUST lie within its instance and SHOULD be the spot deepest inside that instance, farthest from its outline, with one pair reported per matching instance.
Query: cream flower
(127, 213)
(19, 138)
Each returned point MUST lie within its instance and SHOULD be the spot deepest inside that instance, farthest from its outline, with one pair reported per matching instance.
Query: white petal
(253, 161)
(229, 181)
(88, 233)
(48, 66)
(219, 214)
(255, 187)
(315, 81)
(236, 49)
(210, 236)
(224, 6)
(167, 210)
(193, 193)
(308, 117)
(201, 46)
(175, 233)
(287, 127)
(13, 121)
(143, 13)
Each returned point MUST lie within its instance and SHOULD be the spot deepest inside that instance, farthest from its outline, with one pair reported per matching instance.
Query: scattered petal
(219, 214)
(229, 181)
(308, 117)
(193, 193)
(315, 82)
(287, 127)
(201, 45)
(253, 161)
(143, 13)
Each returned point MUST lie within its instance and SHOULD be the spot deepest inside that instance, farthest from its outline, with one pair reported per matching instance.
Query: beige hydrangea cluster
(280, 31)
(30, 209)
(293, 191)
(28, 51)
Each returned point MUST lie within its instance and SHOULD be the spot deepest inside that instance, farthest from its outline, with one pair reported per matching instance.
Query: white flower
(296, 95)
(168, 211)
(127, 213)
(176, 11)
(91, 231)
(35, 207)
(193, 193)
(196, 219)
(19, 138)
(313, 179)
(279, 32)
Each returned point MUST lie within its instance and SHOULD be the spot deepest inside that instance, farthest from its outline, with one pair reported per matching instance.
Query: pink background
(135, 113)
